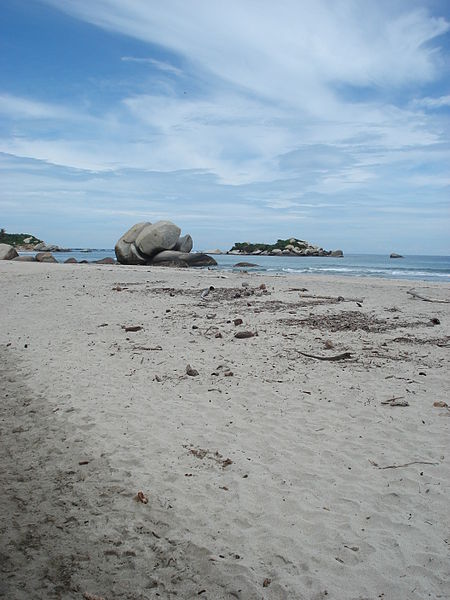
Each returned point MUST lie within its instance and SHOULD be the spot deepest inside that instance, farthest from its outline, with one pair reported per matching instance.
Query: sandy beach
(308, 461)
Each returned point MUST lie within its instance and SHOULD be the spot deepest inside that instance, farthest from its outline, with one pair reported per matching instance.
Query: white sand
(306, 502)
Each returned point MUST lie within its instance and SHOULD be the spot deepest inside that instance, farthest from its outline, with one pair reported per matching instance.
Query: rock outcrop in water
(7, 252)
(159, 244)
(289, 247)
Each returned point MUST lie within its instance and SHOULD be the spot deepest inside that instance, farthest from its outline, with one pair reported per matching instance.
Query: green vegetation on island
(288, 247)
(18, 239)
(248, 248)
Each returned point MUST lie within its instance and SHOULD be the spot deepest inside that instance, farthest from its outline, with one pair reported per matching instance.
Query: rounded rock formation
(184, 244)
(155, 238)
(125, 249)
(196, 259)
(7, 252)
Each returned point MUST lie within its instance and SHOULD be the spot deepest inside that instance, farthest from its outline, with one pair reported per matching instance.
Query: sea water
(422, 268)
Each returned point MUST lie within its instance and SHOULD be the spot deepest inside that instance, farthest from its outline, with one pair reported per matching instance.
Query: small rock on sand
(191, 372)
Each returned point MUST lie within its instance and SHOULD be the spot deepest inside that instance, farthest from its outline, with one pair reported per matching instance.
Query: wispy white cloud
(25, 108)
(432, 102)
(158, 64)
(299, 112)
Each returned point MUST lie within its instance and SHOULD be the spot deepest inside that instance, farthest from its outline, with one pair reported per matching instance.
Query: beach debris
(435, 321)
(141, 497)
(414, 462)
(218, 335)
(191, 372)
(440, 404)
(267, 582)
(343, 356)
(117, 288)
(414, 294)
(132, 328)
(202, 453)
(103, 325)
(353, 548)
(88, 596)
(396, 401)
(153, 349)
(240, 335)
(328, 344)
(211, 316)
(238, 322)
(228, 374)
(157, 378)
(204, 295)
(83, 462)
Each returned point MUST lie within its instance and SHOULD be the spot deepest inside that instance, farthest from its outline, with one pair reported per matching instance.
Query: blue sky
(239, 120)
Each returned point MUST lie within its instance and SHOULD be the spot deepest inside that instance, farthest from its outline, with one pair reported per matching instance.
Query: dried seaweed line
(425, 299)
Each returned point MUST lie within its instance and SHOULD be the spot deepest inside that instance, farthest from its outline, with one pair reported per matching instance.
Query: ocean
(421, 268)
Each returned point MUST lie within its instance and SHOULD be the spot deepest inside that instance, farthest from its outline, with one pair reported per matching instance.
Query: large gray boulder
(125, 249)
(184, 244)
(45, 257)
(155, 238)
(193, 259)
(7, 252)
(24, 258)
(337, 253)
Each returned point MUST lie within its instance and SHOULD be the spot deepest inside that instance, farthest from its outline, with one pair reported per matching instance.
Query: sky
(245, 120)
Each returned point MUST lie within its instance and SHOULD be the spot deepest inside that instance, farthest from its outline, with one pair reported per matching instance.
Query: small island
(19, 241)
(288, 247)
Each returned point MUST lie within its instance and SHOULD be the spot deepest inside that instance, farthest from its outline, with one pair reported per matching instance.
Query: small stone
(238, 321)
(218, 335)
(191, 372)
(440, 404)
(244, 334)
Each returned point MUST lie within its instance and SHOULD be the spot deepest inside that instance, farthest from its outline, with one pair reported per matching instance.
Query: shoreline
(316, 497)
(421, 279)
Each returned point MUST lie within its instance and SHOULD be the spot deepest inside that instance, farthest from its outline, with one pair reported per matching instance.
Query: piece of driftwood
(414, 462)
(147, 348)
(425, 299)
(336, 298)
(397, 401)
(342, 356)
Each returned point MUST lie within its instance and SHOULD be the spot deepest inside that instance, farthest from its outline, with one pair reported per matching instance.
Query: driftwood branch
(425, 299)
(335, 298)
(342, 356)
(414, 462)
